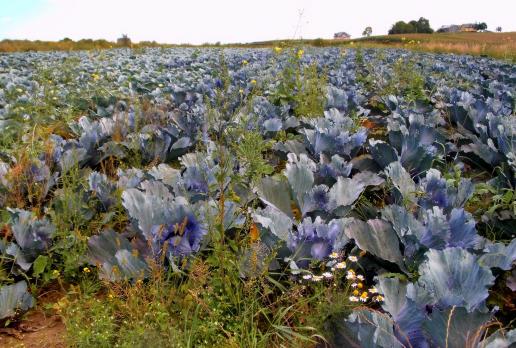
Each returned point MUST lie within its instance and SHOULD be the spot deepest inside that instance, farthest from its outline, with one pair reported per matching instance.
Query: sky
(229, 21)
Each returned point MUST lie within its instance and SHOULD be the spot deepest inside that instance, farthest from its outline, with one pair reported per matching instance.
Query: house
(341, 36)
(468, 27)
(124, 41)
(449, 29)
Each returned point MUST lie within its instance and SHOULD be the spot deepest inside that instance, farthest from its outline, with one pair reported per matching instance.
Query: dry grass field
(498, 45)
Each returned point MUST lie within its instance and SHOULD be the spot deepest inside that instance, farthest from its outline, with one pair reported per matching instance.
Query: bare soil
(40, 328)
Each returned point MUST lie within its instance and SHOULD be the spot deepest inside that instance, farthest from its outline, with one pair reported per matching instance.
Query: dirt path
(40, 328)
(37, 330)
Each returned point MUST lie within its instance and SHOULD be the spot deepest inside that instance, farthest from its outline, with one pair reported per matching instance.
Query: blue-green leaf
(452, 277)
(15, 299)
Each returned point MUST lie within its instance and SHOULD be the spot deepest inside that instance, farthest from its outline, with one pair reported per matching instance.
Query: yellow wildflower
(363, 297)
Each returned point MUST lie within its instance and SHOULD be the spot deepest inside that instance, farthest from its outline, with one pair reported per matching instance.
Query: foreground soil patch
(39, 329)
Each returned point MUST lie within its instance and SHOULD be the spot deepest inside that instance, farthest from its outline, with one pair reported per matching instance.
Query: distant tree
(66, 39)
(319, 42)
(499, 29)
(124, 41)
(420, 26)
(367, 31)
(423, 26)
(481, 26)
(401, 27)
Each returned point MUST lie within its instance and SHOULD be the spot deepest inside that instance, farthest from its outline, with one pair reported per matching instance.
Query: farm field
(257, 197)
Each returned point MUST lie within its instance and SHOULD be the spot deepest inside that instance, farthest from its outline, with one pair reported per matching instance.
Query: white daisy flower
(350, 275)
(353, 258)
(363, 297)
(373, 290)
(340, 265)
(327, 275)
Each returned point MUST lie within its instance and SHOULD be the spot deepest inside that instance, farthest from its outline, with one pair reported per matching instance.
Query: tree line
(423, 26)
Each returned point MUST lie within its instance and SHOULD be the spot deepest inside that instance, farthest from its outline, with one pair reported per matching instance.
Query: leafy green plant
(407, 81)
(302, 86)
(71, 215)
(311, 93)
(495, 209)
(250, 152)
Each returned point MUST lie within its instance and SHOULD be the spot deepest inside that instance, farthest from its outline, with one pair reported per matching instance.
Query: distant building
(124, 41)
(462, 28)
(449, 29)
(342, 36)
(470, 27)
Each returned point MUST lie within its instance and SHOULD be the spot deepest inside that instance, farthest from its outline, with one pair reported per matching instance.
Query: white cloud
(197, 21)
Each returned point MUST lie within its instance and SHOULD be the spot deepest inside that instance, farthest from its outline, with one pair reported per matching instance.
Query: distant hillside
(498, 45)
(65, 45)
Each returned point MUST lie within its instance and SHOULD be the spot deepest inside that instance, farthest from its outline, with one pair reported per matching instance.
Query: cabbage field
(260, 197)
